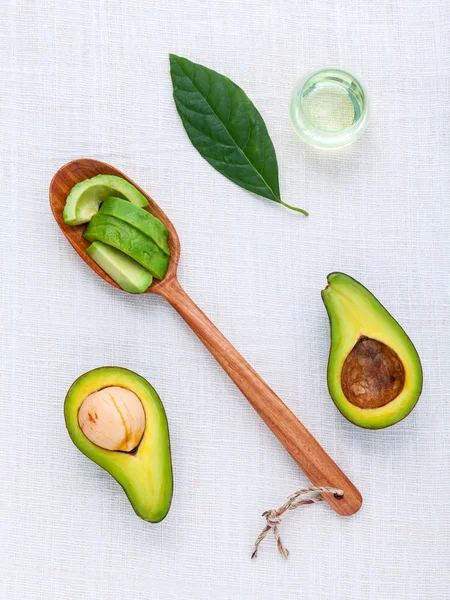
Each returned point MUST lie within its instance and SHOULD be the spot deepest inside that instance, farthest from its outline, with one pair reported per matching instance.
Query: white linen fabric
(91, 78)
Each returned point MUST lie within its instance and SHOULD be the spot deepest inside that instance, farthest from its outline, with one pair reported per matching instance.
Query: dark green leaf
(225, 127)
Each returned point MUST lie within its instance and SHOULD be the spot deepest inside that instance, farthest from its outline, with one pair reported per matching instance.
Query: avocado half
(145, 473)
(374, 371)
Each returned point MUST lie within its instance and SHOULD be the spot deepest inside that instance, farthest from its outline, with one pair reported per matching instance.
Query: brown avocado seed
(113, 418)
(373, 374)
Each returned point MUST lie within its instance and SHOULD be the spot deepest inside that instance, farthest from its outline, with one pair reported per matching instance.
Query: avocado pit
(372, 375)
(113, 418)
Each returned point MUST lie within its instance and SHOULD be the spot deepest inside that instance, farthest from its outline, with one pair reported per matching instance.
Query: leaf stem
(300, 210)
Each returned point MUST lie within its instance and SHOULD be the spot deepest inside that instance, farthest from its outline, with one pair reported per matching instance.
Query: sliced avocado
(124, 237)
(138, 218)
(374, 371)
(85, 197)
(126, 272)
(145, 473)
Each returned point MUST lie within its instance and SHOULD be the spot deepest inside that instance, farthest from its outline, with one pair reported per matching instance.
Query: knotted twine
(273, 516)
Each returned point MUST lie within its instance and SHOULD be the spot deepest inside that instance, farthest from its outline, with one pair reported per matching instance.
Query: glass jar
(329, 108)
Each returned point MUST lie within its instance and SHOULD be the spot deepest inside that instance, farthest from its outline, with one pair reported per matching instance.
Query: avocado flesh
(364, 335)
(146, 473)
(124, 237)
(138, 218)
(85, 197)
(126, 272)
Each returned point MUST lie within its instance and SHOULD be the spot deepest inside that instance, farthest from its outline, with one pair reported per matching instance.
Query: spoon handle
(301, 445)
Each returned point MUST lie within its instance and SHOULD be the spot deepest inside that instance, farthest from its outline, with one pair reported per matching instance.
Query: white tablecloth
(91, 78)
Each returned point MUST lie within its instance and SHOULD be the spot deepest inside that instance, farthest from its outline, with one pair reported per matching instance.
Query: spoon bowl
(84, 168)
(339, 492)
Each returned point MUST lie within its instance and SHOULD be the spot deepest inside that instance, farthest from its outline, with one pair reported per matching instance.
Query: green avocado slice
(374, 371)
(124, 237)
(145, 473)
(85, 197)
(138, 218)
(126, 272)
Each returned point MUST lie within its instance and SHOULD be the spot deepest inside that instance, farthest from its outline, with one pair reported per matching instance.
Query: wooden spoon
(294, 436)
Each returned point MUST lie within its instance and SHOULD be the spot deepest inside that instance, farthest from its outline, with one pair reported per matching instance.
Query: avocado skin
(145, 474)
(393, 336)
(138, 218)
(124, 237)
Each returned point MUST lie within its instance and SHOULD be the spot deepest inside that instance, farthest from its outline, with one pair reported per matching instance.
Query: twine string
(273, 516)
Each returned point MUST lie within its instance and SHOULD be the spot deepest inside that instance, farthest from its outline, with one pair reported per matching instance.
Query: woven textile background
(91, 78)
